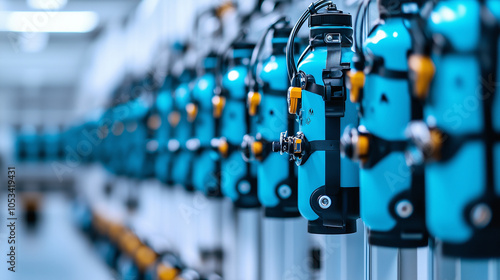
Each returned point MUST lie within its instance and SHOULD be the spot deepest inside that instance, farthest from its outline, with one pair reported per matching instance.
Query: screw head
(404, 208)
(284, 191)
(481, 215)
(329, 38)
(325, 202)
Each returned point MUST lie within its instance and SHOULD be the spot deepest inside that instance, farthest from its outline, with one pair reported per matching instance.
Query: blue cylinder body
(237, 177)
(117, 141)
(52, 146)
(164, 105)
(205, 168)
(386, 111)
(273, 172)
(455, 106)
(29, 147)
(140, 162)
(106, 151)
(311, 118)
(181, 166)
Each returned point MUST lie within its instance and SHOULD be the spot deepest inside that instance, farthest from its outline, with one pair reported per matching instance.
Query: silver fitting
(324, 202)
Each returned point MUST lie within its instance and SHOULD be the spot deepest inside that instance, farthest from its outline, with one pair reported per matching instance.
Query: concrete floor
(55, 250)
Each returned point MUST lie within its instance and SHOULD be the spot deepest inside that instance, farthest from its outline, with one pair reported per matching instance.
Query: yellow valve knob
(356, 84)
(436, 143)
(297, 146)
(145, 257)
(154, 122)
(115, 231)
(218, 103)
(174, 118)
(164, 272)
(192, 111)
(253, 100)
(129, 243)
(224, 8)
(223, 148)
(362, 146)
(424, 70)
(257, 148)
(294, 94)
(99, 224)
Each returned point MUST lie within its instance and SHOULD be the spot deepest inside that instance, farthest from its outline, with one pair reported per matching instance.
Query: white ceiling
(54, 72)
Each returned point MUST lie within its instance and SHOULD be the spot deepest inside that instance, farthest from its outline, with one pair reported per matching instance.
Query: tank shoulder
(274, 70)
(391, 41)
(182, 95)
(164, 102)
(453, 19)
(234, 81)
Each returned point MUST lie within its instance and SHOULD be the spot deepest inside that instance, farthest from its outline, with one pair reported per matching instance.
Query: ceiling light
(74, 22)
(47, 4)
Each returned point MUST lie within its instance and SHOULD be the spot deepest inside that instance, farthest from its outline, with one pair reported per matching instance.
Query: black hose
(257, 51)
(366, 5)
(290, 59)
(221, 60)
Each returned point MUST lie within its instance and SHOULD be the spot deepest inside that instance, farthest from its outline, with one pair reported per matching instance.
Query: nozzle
(276, 147)
(192, 111)
(355, 145)
(218, 103)
(253, 101)
(427, 143)
(356, 85)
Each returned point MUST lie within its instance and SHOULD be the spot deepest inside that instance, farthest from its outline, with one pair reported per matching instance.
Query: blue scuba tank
(91, 138)
(52, 146)
(182, 161)
(117, 141)
(276, 175)
(151, 122)
(164, 105)
(238, 178)
(328, 192)
(460, 141)
(29, 146)
(206, 167)
(139, 159)
(391, 193)
(105, 150)
(20, 147)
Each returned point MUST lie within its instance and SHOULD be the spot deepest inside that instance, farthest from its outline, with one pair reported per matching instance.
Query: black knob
(276, 146)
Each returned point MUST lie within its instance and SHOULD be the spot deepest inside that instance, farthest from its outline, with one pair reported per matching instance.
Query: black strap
(291, 129)
(488, 57)
(332, 156)
(380, 148)
(218, 162)
(334, 96)
(378, 68)
(248, 122)
(324, 145)
(417, 37)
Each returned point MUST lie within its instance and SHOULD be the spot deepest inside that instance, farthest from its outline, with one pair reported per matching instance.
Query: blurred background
(61, 63)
